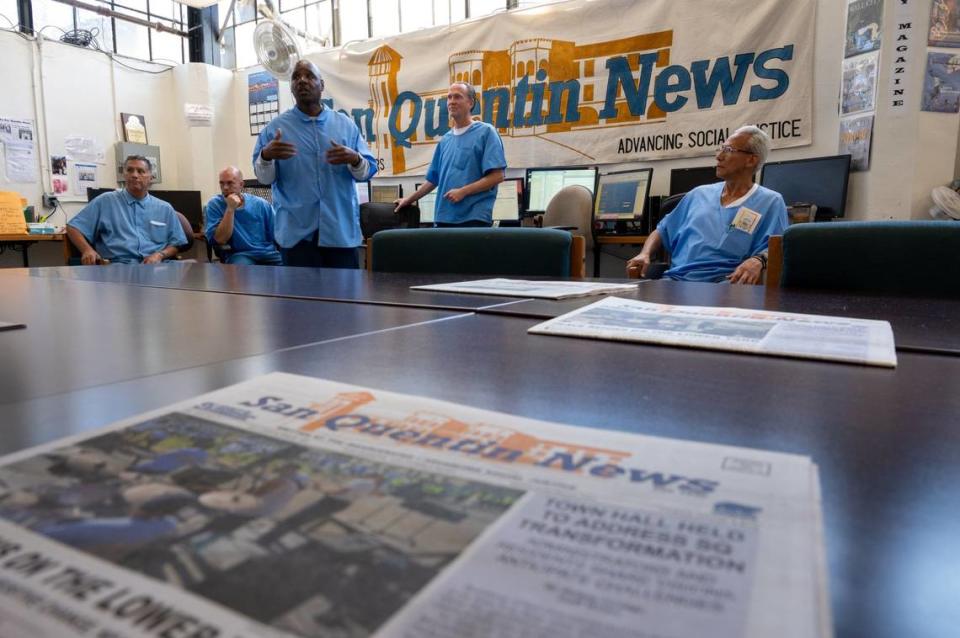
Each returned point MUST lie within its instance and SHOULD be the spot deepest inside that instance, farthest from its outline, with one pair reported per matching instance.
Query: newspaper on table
(291, 506)
(524, 288)
(766, 332)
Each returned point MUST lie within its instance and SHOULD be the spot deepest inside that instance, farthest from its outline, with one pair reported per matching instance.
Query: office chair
(524, 252)
(187, 231)
(656, 269)
(375, 217)
(867, 257)
(571, 209)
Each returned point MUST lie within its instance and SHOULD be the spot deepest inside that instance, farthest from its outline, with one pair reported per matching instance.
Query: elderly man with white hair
(719, 232)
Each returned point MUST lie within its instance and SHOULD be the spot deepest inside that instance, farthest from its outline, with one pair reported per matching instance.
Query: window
(116, 35)
(101, 27)
(53, 19)
(8, 10)
(384, 18)
(313, 17)
(353, 21)
(486, 7)
(237, 43)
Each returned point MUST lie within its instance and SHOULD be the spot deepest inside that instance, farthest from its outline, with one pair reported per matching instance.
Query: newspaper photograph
(535, 289)
(764, 332)
(292, 506)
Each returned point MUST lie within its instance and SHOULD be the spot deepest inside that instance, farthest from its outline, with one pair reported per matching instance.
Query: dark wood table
(355, 286)
(81, 334)
(886, 441)
(919, 324)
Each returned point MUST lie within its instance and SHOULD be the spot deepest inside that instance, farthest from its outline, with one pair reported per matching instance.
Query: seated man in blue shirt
(128, 225)
(467, 165)
(719, 232)
(242, 220)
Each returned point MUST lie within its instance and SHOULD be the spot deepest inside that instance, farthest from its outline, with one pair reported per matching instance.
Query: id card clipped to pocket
(746, 220)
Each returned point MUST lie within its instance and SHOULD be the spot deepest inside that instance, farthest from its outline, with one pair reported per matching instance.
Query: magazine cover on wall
(944, 23)
(859, 84)
(855, 138)
(864, 24)
(941, 83)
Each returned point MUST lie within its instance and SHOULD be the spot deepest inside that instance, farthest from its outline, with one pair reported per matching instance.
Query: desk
(25, 240)
(886, 440)
(611, 240)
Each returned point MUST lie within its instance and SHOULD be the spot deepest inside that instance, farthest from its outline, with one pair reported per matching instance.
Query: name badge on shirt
(746, 220)
(156, 223)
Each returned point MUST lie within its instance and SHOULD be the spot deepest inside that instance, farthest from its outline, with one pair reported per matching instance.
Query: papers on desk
(291, 506)
(535, 289)
(757, 331)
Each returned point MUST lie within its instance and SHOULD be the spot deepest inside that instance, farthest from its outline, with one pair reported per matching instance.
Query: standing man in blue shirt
(312, 155)
(467, 165)
(243, 221)
(128, 225)
(719, 232)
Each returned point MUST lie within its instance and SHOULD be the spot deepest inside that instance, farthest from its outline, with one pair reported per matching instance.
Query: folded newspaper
(292, 506)
(789, 334)
(524, 288)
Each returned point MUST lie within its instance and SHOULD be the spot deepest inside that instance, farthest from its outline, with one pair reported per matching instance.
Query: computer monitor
(385, 193)
(363, 192)
(544, 183)
(507, 207)
(190, 203)
(427, 203)
(684, 180)
(816, 180)
(622, 196)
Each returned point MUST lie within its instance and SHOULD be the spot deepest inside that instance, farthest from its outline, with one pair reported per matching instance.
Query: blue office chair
(893, 257)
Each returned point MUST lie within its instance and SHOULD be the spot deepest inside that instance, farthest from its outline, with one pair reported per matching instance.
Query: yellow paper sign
(11, 214)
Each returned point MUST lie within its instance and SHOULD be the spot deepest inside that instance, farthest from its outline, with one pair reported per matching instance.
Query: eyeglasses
(726, 148)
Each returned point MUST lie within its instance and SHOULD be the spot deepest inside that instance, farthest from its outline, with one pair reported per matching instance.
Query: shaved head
(231, 172)
(231, 181)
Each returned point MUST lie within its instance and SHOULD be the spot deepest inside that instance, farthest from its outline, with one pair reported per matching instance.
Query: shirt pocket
(158, 231)
(464, 158)
(736, 243)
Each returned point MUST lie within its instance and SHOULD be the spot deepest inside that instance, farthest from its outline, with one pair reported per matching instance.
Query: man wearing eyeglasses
(719, 232)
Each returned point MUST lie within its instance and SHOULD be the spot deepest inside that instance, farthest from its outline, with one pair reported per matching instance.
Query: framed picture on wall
(134, 128)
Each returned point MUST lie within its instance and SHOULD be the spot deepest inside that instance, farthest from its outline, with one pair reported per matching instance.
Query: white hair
(758, 142)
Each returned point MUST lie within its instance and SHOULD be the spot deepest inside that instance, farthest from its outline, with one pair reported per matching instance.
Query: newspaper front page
(864, 341)
(524, 288)
(292, 506)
